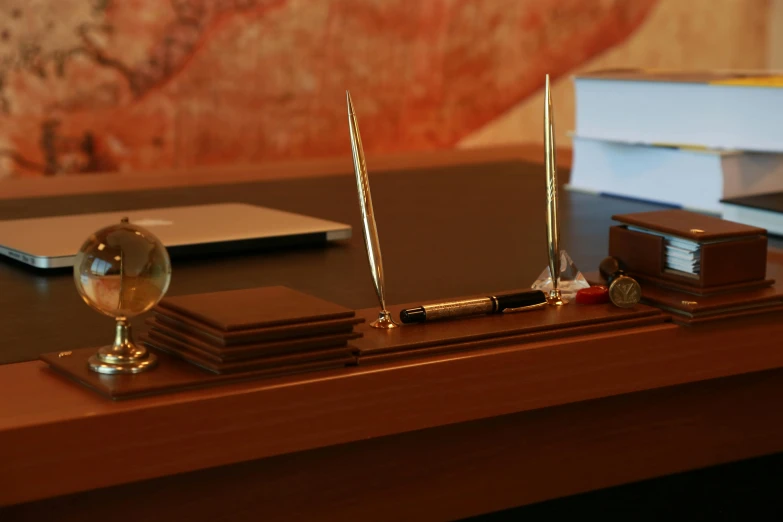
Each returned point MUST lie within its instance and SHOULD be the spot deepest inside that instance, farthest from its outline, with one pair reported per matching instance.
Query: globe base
(124, 356)
(106, 368)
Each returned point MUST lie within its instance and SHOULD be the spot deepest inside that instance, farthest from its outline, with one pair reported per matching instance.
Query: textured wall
(95, 85)
(92, 85)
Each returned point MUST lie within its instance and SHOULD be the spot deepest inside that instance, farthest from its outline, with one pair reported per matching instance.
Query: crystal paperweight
(570, 282)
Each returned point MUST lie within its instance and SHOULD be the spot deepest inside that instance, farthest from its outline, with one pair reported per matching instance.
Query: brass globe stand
(124, 356)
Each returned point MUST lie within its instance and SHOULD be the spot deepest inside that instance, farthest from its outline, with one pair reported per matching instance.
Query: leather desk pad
(254, 308)
(171, 375)
(253, 350)
(493, 330)
(220, 339)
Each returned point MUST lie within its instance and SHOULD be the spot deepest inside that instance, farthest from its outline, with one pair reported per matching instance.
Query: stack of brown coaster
(271, 328)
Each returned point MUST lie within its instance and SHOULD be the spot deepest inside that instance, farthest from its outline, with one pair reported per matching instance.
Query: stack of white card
(682, 255)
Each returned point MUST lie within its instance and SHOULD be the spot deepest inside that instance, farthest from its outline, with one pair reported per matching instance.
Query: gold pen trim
(525, 308)
(552, 222)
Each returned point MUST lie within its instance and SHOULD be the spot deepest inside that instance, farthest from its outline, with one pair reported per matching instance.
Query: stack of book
(272, 330)
(687, 140)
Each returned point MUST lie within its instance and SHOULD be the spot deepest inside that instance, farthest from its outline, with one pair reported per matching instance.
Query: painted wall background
(102, 85)
(692, 34)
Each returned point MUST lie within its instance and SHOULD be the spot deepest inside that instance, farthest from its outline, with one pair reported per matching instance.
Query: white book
(729, 110)
(682, 177)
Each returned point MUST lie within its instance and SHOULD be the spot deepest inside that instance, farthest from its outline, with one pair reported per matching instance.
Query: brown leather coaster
(254, 308)
(496, 329)
(255, 350)
(159, 341)
(220, 339)
(259, 351)
(171, 374)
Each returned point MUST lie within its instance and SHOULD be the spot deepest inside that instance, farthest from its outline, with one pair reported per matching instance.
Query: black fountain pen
(493, 304)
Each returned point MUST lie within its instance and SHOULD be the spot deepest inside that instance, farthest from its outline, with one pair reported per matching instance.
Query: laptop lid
(52, 242)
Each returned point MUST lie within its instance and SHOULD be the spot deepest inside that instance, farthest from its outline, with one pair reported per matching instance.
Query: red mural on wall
(103, 85)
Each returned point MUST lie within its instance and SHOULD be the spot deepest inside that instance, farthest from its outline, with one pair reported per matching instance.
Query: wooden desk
(437, 438)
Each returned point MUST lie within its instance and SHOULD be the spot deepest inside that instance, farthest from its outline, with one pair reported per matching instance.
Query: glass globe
(122, 271)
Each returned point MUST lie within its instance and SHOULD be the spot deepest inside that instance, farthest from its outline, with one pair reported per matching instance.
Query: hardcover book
(717, 109)
(687, 177)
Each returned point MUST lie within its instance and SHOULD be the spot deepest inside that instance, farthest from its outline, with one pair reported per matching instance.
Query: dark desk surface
(457, 436)
(444, 232)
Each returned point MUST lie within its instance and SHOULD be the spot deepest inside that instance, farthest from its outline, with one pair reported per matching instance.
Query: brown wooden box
(732, 255)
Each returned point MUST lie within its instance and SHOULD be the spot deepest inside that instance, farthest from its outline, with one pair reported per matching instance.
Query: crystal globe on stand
(122, 271)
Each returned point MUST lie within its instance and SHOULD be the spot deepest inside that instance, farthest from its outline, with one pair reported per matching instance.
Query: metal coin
(625, 292)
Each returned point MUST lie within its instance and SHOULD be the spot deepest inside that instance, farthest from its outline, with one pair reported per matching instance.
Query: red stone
(597, 294)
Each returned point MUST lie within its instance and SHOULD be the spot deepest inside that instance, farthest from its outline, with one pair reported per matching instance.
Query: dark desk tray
(171, 375)
(446, 336)
(688, 309)
(376, 346)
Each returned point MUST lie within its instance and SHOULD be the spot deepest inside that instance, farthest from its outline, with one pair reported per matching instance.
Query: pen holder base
(384, 321)
(555, 298)
(493, 330)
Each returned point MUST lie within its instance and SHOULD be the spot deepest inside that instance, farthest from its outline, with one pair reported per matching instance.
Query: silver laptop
(52, 242)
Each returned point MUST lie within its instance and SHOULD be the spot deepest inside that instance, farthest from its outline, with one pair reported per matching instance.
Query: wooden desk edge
(27, 187)
(115, 443)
